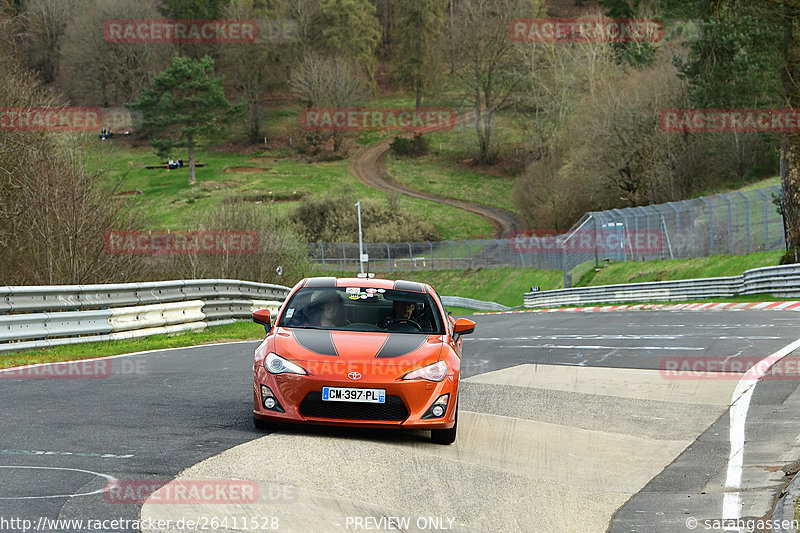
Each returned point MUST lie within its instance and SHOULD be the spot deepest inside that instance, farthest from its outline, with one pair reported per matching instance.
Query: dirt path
(368, 168)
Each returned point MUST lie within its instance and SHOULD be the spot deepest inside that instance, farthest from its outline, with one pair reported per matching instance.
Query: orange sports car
(360, 352)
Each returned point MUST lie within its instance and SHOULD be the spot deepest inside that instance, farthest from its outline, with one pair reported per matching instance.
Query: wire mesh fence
(734, 223)
(443, 255)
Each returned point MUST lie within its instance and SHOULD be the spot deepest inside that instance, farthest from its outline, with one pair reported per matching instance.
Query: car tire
(445, 436)
(261, 424)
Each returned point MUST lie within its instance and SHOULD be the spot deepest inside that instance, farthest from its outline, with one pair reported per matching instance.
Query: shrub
(334, 218)
(414, 147)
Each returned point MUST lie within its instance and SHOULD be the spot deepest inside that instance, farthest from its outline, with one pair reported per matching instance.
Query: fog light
(438, 408)
(269, 401)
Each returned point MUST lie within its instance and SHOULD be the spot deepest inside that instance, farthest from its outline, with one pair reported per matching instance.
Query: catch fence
(734, 223)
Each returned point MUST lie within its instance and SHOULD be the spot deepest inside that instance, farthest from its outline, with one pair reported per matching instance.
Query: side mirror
(463, 326)
(262, 317)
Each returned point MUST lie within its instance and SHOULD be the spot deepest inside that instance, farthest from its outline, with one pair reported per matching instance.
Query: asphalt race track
(567, 422)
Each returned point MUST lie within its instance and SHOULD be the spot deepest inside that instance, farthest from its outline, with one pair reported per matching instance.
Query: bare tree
(96, 72)
(556, 77)
(46, 22)
(324, 82)
(53, 212)
(485, 58)
(278, 246)
(252, 68)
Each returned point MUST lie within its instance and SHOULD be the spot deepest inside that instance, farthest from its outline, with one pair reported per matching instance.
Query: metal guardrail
(469, 303)
(41, 316)
(780, 281)
(60, 297)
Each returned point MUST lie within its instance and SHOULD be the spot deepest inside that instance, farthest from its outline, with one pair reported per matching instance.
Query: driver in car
(403, 310)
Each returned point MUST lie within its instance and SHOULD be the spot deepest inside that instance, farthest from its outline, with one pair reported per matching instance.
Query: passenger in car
(328, 311)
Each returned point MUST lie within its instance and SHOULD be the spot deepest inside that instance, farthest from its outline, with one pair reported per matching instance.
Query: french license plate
(347, 394)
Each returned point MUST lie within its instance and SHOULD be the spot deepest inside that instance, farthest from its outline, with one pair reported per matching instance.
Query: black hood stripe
(316, 340)
(398, 344)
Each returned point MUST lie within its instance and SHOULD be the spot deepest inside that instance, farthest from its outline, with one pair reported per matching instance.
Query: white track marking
(146, 352)
(740, 403)
(98, 491)
(619, 337)
(592, 347)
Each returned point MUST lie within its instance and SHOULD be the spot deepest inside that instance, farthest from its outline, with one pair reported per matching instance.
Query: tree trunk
(419, 62)
(192, 178)
(452, 44)
(253, 125)
(790, 157)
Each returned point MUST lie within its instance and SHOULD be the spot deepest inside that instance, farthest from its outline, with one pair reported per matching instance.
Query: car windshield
(362, 309)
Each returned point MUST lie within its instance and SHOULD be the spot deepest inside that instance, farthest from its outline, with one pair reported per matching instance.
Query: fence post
(431, 247)
(411, 257)
(596, 255)
(344, 256)
(730, 223)
(766, 219)
(322, 248)
(500, 252)
(746, 217)
(710, 224)
(389, 257)
(782, 227)
(469, 255)
(452, 267)
(677, 227)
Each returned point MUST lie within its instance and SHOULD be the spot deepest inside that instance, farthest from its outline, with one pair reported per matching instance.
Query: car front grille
(394, 409)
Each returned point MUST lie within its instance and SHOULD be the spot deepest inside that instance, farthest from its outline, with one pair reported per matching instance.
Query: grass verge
(229, 332)
(663, 270)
